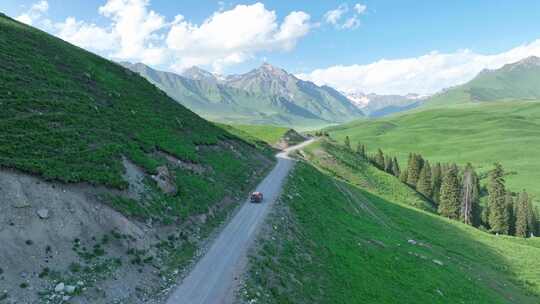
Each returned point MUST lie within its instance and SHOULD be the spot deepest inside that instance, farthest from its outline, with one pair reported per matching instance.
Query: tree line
(457, 192)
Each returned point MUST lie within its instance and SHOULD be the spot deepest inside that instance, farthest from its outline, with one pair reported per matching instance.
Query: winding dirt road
(211, 281)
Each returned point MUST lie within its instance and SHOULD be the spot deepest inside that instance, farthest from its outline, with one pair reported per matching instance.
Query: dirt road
(212, 279)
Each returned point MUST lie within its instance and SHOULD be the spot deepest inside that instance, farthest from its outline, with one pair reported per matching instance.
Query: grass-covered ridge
(505, 132)
(337, 237)
(70, 115)
(512, 82)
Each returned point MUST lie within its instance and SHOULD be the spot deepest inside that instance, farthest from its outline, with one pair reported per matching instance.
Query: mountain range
(271, 95)
(266, 95)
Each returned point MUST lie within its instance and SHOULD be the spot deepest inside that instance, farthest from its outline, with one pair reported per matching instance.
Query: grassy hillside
(506, 132)
(345, 239)
(70, 115)
(516, 81)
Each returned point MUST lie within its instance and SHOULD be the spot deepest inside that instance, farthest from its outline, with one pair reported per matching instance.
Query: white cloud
(360, 8)
(351, 22)
(425, 74)
(35, 12)
(295, 26)
(333, 16)
(131, 35)
(137, 33)
(88, 36)
(135, 27)
(233, 36)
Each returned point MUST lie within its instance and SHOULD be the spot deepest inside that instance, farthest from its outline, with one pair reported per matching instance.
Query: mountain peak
(529, 62)
(532, 60)
(197, 73)
(267, 68)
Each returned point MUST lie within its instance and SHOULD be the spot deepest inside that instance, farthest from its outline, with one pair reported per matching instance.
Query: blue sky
(388, 47)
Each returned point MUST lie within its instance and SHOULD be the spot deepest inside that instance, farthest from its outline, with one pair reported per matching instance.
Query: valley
(150, 158)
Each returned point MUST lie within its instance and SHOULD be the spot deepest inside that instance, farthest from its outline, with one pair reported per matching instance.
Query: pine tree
(424, 184)
(361, 150)
(388, 162)
(395, 168)
(436, 180)
(414, 168)
(521, 215)
(476, 207)
(510, 209)
(449, 204)
(347, 142)
(444, 168)
(403, 176)
(498, 216)
(379, 159)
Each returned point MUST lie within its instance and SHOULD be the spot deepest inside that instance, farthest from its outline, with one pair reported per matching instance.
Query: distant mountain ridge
(266, 95)
(514, 81)
(375, 105)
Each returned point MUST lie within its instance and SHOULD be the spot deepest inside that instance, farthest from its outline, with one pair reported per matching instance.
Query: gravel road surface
(212, 280)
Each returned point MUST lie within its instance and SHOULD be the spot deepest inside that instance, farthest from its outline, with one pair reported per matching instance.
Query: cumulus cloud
(425, 74)
(235, 35)
(335, 16)
(35, 12)
(135, 26)
(88, 36)
(137, 33)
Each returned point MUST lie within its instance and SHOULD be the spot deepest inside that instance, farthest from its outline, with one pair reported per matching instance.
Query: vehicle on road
(256, 197)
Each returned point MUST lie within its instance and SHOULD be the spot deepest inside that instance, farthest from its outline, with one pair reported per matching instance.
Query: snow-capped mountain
(375, 105)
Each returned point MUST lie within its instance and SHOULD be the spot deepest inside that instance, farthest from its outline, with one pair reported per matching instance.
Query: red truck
(256, 197)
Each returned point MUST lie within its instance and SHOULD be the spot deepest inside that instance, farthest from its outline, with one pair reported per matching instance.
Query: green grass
(71, 116)
(513, 82)
(252, 135)
(482, 134)
(343, 240)
(267, 133)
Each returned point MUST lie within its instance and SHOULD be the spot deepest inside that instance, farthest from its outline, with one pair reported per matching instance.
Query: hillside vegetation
(71, 116)
(504, 132)
(80, 134)
(515, 81)
(345, 232)
(267, 133)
